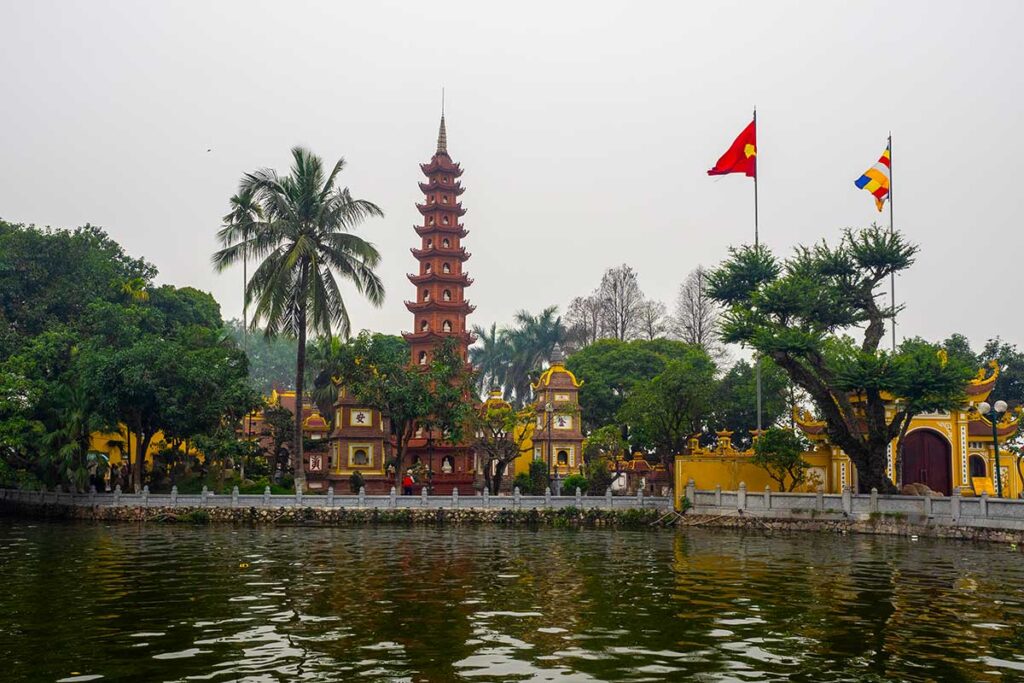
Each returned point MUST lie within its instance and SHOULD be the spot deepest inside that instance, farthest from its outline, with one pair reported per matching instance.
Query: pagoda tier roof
(435, 185)
(453, 278)
(436, 207)
(453, 306)
(433, 335)
(441, 163)
(453, 229)
(461, 254)
(979, 428)
(981, 386)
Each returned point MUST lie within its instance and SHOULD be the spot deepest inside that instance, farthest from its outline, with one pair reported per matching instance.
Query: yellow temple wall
(730, 469)
(99, 442)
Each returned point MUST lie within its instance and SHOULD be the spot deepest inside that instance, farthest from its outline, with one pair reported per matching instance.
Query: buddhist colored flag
(741, 157)
(876, 179)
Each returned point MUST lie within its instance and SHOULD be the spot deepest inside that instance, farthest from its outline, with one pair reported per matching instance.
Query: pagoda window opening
(430, 242)
(446, 326)
(423, 358)
(977, 466)
(563, 457)
(360, 457)
(446, 268)
(447, 295)
(424, 326)
(430, 220)
(445, 220)
(427, 267)
(444, 199)
(426, 295)
(446, 243)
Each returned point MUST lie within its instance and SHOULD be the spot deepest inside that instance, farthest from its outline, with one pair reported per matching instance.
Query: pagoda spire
(442, 138)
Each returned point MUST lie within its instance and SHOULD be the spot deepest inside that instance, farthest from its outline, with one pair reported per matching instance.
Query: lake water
(177, 603)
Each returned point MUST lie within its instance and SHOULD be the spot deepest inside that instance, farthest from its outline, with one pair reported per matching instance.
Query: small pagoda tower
(440, 307)
(557, 437)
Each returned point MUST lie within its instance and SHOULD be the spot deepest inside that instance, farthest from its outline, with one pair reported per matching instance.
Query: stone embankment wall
(978, 518)
(567, 516)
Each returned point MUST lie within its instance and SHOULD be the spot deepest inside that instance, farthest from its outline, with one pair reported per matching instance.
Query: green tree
(271, 359)
(302, 241)
(501, 434)
(437, 397)
(665, 411)
(239, 224)
(609, 369)
(780, 453)
(796, 313)
(735, 404)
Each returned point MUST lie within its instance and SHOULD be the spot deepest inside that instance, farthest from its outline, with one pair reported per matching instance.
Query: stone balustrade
(956, 510)
(332, 500)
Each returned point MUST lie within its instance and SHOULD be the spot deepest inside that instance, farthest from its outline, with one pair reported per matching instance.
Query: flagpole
(757, 242)
(892, 231)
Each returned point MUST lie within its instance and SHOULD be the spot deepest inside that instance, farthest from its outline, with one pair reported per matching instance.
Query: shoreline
(565, 517)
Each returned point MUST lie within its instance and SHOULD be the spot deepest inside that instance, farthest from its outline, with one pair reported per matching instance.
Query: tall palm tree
(491, 357)
(532, 342)
(302, 240)
(238, 227)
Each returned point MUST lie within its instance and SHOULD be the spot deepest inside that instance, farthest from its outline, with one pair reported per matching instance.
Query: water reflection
(424, 604)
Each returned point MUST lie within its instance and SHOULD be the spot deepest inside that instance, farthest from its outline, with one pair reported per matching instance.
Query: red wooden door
(927, 460)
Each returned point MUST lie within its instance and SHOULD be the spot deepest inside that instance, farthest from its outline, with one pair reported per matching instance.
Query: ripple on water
(488, 604)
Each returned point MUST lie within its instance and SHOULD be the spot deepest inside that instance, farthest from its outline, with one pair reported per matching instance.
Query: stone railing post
(362, 496)
(516, 496)
(954, 505)
(608, 497)
(92, 495)
(579, 498)
(718, 495)
(174, 496)
(487, 497)
(820, 498)
(928, 506)
(767, 497)
(640, 498)
(423, 497)
(547, 498)
(266, 496)
(691, 491)
(234, 496)
(298, 495)
(847, 500)
(455, 498)
(983, 503)
(145, 496)
(741, 497)
(393, 497)
(117, 495)
(203, 496)
(330, 496)
(874, 499)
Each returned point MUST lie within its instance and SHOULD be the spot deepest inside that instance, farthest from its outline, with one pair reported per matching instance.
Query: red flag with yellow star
(741, 157)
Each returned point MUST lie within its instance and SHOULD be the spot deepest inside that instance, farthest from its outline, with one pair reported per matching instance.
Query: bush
(599, 478)
(356, 482)
(539, 480)
(522, 481)
(573, 482)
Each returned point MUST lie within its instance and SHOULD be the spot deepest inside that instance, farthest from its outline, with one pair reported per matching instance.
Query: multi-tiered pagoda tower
(440, 307)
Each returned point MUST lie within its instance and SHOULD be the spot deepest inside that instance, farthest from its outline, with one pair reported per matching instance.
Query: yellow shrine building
(945, 451)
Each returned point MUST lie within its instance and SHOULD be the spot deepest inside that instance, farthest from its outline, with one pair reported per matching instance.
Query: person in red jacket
(407, 482)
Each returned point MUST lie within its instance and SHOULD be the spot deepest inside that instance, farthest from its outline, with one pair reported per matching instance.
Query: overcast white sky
(585, 130)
